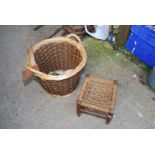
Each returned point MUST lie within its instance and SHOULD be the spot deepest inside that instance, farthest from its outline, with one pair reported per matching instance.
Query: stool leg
(109, 118)
(78, 109)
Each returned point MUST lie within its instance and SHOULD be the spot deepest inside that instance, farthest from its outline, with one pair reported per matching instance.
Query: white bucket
(101, 31)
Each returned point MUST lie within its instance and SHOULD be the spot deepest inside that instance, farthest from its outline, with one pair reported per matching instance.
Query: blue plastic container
(141, 43)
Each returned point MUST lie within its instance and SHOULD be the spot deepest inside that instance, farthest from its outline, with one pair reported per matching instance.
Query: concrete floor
(31, 107)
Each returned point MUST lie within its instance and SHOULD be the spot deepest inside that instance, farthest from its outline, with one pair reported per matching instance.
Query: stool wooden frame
(98, 97)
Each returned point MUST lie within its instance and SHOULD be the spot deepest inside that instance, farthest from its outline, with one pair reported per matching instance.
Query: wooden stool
(97, 97)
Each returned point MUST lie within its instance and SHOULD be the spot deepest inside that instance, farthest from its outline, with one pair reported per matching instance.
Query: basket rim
(73, 72)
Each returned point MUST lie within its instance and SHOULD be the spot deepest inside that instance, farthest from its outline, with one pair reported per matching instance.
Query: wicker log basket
(59, 53)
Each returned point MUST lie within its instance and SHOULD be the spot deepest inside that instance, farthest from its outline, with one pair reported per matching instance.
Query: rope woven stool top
(98, 94)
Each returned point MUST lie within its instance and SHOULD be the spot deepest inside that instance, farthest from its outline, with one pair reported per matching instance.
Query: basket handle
(30, 68)
(74, 36)
(27, 73)
(28, 57)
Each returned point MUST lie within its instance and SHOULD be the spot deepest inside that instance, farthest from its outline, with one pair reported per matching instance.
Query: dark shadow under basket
(59, 53)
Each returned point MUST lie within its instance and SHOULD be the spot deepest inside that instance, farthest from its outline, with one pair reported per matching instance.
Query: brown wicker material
(59, 53)
(97, 97)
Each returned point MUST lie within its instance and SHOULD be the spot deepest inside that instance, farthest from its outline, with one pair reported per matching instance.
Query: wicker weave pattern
(99, 92)
(58, 54)
(97, 97)
(62, 87)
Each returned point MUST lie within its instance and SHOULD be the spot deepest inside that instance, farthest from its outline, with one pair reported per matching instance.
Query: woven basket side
(62, 87)
(57, 56)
